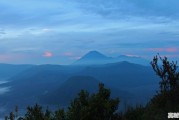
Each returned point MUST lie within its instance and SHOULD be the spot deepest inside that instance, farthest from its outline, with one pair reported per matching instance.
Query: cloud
(132, 55)
(125, 26)
(170, 50)
(4, 90)
(24, 50)
(13, 58)
(68, 54)
(2, 32)
(4, 58)
(73, 56)
(76, 58)
(157, 7)
(48, 54)
(123, 8)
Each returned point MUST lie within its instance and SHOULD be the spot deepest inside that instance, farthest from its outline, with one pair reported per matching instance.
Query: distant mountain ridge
(10, 70)
(92, 57)
(95, 58)
(71, 87)
(133, 59)
(95, 55)
(47, 78)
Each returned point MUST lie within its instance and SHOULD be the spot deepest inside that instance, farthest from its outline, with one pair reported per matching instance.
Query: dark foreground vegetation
(100, 106)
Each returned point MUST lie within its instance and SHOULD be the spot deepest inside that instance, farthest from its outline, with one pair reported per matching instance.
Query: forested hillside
(100, 105)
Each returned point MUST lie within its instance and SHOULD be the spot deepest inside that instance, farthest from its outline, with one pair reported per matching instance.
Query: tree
(99, 106)
(169, 84)
(168, 74)
(36, 113)
(12, 116)
(167, 98)
(60, 115)
(134, 113)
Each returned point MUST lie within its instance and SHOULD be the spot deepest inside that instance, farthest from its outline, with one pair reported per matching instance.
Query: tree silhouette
(60, 115)
(167, 72)
(98, 106)
(167, 98)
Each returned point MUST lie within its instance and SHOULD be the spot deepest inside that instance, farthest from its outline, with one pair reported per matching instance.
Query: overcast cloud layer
(61, 31)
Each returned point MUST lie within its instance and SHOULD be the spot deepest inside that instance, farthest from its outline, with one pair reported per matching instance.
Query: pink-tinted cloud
(48, 54)
(71, 55)
(68, 54)
(12, 57)
(5, 57)
(171, 49)
(163, 49)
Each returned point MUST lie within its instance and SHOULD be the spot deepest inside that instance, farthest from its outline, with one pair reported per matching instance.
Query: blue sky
(61, 31)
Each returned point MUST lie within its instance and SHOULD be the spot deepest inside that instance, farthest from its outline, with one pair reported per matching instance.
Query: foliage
(167, 98)
(168, 74)
(134, 113)
(98, 106)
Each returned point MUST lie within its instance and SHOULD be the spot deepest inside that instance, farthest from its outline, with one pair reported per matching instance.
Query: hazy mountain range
(9, 70)
(95, 57)
(57, 85)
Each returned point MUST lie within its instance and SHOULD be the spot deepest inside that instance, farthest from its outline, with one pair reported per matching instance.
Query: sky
(62, 31)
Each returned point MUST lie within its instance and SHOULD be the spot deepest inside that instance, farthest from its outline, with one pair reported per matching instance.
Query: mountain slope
(9, 70)
(93, 57)
(28, 87)
(96, 58)
(123, 74)
(42, 78)
(133, 59)
(70, 89)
